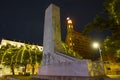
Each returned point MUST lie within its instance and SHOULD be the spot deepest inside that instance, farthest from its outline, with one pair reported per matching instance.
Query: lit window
(69, 21)
(69, 26)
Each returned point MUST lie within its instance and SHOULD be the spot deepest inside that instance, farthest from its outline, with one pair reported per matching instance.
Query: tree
(113, 9)
(98, 24)
(28, 54)
(36, 56)
(8, 56)
(111, 23)
(2, 50)
(23, 57)
(15, 55)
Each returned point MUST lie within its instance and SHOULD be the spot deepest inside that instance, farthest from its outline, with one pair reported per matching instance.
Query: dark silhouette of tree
(111, 44)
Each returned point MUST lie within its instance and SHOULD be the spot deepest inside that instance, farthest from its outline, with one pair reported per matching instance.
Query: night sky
(23, 20)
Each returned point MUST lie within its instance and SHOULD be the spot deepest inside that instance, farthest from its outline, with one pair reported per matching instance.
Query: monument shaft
(52, 32)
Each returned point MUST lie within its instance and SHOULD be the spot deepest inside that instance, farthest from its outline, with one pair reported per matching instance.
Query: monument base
(65, 69)
(45, 77)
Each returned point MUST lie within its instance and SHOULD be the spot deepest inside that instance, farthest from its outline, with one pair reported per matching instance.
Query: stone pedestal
(65, 69)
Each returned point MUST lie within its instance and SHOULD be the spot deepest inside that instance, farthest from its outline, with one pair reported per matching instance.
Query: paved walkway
(114, 76)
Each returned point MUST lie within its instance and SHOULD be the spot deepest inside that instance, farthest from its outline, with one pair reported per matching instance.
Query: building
(4, 70)
(78, 42)
(18, 44)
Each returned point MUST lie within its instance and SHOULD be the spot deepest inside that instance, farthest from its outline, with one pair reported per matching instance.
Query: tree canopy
(14, 56)
(111, 23)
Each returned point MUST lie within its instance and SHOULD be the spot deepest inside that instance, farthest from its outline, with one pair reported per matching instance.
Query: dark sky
(23, 20)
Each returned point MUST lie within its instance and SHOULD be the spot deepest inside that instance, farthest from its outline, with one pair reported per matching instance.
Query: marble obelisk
(52, 33)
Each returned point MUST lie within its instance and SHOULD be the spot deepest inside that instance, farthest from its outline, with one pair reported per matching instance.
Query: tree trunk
(33, 69)
(12, 69)
(25, 69)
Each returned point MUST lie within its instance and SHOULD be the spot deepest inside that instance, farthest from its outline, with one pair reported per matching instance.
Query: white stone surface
(65, 69)
(52, 32)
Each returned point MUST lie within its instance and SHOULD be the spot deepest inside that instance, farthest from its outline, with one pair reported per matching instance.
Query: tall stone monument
(54, 61)
(52, 33)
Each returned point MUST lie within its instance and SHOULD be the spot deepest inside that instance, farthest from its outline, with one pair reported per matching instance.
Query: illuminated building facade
(78, 42)
(18, 44)
(4, 70)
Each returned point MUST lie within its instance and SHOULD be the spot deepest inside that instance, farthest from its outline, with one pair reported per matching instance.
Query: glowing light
(1, 75)
(40, 48)
(69, 21)
(70, 44)
(3, 43)
(21, 67)
(33, 47)
(95, 45)
(68, 18)
(19, 45)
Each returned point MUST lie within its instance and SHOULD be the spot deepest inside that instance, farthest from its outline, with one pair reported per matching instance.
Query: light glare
(69, 21)
(95, 45)
(68, 18)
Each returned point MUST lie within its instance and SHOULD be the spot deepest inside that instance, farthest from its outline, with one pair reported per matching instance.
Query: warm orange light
(69, 21)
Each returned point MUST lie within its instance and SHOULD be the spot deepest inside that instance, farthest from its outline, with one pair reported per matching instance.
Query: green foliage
(98, 24)
(113, 9)
(111, 44)
(70, 52)
(14, 56)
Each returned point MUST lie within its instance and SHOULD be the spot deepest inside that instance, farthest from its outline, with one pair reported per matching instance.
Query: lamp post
(96, 45)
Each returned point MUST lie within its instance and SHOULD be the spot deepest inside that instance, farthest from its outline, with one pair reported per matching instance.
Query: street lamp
(96, 45)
